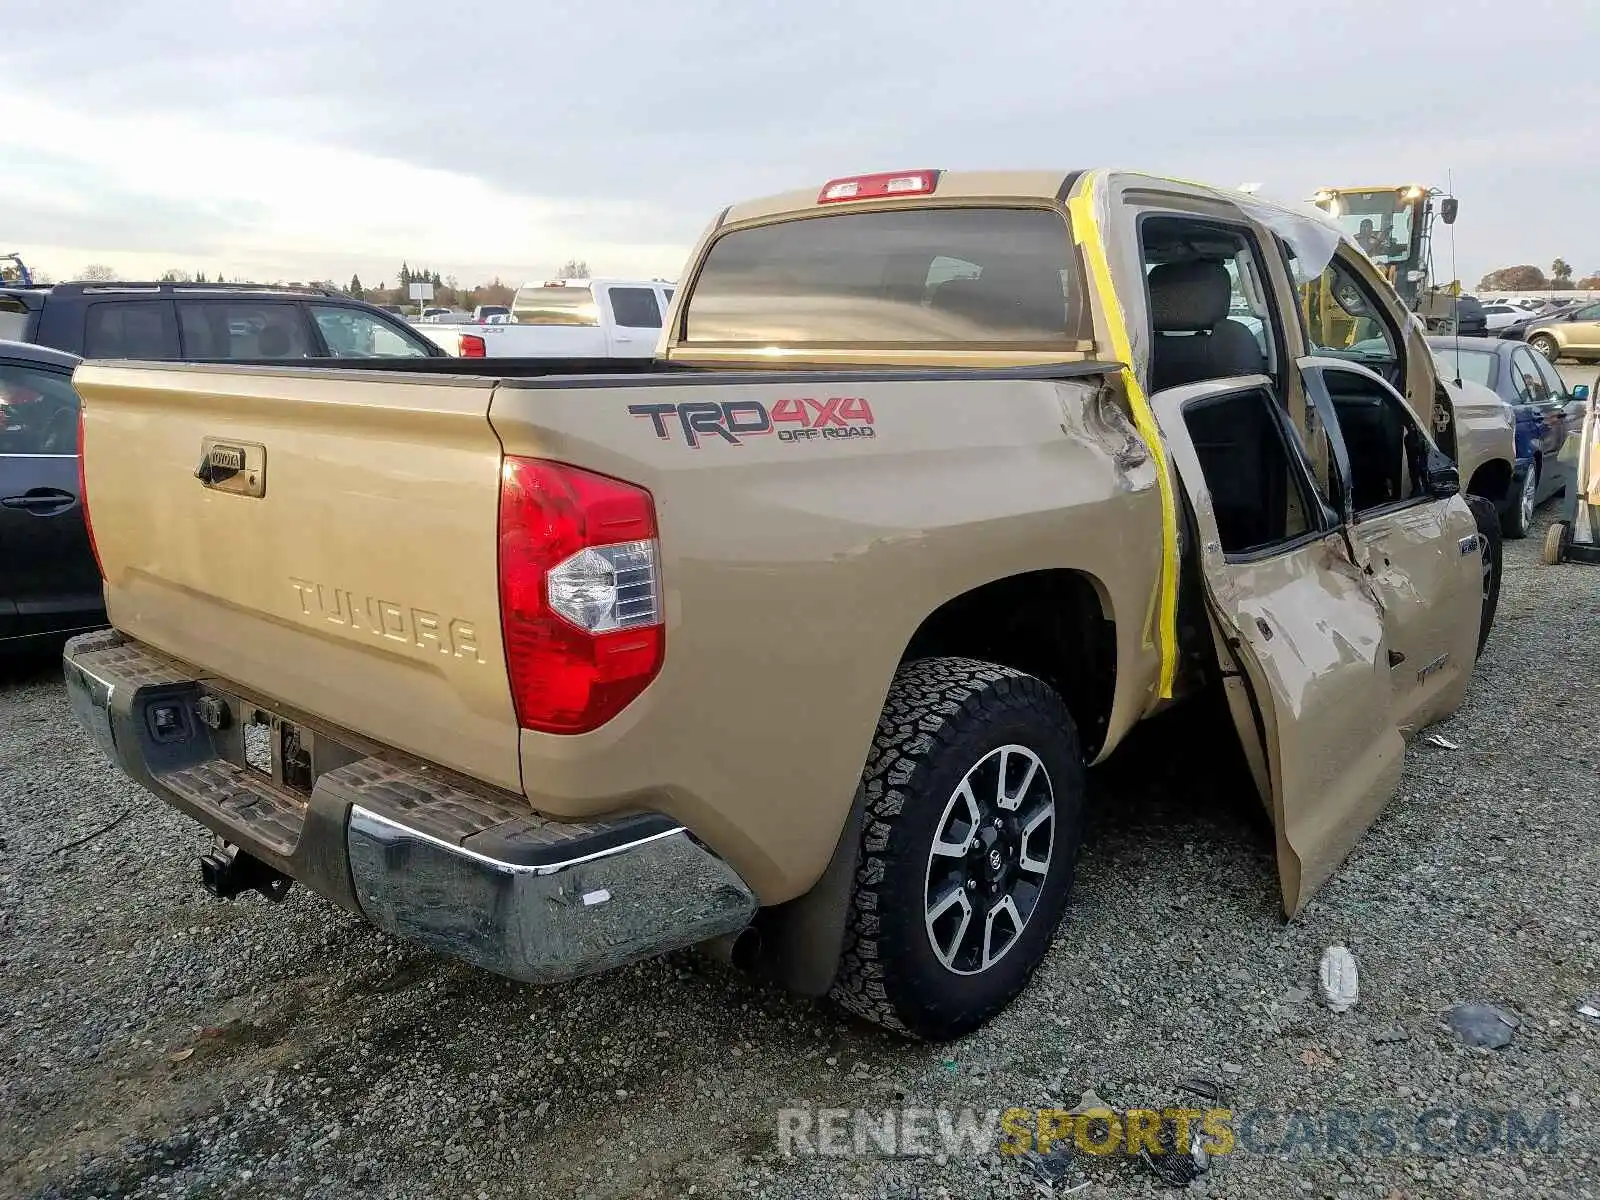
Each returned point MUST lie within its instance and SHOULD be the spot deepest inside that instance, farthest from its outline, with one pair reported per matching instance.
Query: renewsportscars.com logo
(1102, 1132)
(802, 419)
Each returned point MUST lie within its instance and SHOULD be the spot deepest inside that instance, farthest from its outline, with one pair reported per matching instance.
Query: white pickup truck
(566, 318)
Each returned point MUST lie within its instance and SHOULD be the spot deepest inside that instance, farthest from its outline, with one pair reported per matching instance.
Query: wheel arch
(1492, 481)
(1058, 624)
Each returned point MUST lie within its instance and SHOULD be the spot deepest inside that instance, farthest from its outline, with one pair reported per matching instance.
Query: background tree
(97, 273)
(355, 290)
(495, 291)
(176, 277)
(573, 268)
(1523, 278)
(1590, 283)
(1560, 274)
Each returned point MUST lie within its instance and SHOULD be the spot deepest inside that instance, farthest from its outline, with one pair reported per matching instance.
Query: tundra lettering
(387, 619)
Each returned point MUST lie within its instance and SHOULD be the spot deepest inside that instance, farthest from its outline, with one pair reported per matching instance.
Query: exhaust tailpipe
(741, 950)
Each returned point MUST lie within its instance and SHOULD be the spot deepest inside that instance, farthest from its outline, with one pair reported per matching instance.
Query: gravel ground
(158, 1043)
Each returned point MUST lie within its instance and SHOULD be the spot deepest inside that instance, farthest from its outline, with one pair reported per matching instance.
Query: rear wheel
(1545, 345)
(1489, 559)
(974, 798)
(1518, 519)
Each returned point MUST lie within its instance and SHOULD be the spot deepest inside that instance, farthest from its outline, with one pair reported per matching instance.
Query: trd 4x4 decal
(793, 420)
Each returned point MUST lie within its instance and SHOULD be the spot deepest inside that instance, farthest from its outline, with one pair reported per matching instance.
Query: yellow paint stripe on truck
(1086, 232)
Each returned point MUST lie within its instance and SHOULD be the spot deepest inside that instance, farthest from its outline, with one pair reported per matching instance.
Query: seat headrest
(1008, 295)
(963, 297)
(273, 342)
(1187, 297)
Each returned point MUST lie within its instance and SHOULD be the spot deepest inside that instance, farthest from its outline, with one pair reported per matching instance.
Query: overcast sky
(299, 139)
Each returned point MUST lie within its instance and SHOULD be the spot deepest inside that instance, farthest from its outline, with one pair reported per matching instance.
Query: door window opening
(1261, 495)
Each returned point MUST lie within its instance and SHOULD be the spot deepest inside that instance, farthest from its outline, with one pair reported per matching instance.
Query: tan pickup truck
(801, 637)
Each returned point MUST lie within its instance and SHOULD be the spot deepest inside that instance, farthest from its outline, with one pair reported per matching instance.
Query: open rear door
(1298, 630)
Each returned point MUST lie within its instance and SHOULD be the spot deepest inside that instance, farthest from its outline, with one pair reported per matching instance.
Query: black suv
(194, 322)
(1470, 320)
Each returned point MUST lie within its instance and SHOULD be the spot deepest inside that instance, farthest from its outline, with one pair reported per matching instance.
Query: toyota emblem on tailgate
(236, 467)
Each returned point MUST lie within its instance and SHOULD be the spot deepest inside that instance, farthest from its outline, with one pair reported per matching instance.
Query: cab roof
(1345, 190)
(1035, 185)
(950, 185)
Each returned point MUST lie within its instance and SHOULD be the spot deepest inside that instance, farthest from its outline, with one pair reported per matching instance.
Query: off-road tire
(1555, 543)
(1488, 520)
(942, 716)
(1546, 345)
(1517, 520)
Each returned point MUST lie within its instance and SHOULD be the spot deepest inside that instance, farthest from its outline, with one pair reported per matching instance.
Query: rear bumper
(429, 856)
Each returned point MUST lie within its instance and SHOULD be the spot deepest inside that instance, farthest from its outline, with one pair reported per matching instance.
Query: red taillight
(877, 187)
(580, 594)
(83, 499)
(472, 346)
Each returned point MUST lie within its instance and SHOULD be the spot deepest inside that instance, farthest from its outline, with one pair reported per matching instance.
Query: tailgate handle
(238, 468)
(40, 500)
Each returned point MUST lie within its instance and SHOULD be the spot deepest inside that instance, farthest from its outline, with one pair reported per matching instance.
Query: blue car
(1545, 411)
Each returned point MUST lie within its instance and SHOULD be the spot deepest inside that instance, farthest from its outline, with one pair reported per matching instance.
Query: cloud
(329, 138)
(199, 194)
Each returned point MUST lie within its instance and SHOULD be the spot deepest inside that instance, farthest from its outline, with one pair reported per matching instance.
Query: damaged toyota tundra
(799, 639)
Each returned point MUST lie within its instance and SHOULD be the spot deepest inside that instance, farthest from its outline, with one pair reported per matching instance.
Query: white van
(567, 318)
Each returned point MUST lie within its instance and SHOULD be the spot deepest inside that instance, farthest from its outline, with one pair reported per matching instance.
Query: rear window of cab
(555, 304)
(931, 278)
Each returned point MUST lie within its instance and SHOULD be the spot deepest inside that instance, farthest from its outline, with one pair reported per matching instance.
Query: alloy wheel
(990, 857)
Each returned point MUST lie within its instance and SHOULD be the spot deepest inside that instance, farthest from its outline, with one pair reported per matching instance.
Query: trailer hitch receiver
(226, 870)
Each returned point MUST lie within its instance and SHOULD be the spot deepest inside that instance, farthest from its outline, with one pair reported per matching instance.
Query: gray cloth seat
(1194, 339)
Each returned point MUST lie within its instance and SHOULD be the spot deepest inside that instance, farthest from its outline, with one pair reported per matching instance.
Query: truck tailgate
(340, 558)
